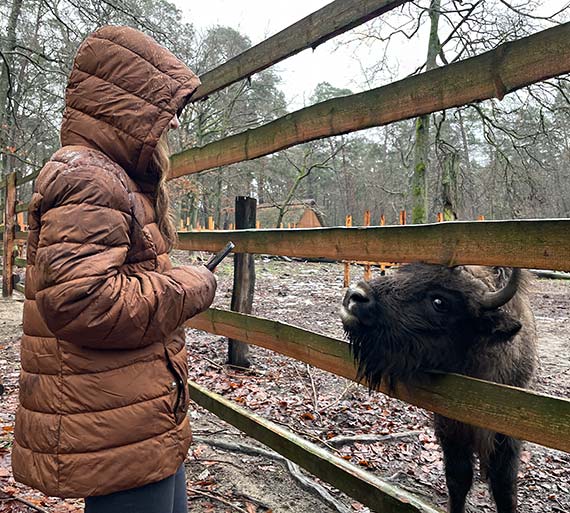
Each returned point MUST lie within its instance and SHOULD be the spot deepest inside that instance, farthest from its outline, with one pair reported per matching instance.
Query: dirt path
(318, 405)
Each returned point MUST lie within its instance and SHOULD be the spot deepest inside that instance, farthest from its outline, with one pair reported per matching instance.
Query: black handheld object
(219, 256)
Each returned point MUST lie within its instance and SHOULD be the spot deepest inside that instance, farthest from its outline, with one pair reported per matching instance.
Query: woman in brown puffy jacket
(103, 400)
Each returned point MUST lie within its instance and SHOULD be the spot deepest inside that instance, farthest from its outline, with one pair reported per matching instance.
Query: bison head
(427, 317)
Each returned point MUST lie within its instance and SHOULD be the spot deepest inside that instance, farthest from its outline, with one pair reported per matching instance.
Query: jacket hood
(123, 90)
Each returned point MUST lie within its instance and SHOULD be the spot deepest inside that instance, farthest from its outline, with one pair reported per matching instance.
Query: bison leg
(503, 470)
(458, 459)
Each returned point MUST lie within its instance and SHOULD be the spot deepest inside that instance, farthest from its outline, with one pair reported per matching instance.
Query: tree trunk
(303, 173)
(449, 186)
(421, 149)
(6, 82)
(244, 279)
(419, 177)
(219, 193)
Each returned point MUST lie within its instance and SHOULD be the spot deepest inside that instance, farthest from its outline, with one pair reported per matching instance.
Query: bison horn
(496, 299)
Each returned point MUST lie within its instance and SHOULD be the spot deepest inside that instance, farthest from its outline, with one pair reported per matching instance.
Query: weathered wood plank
(313, 30)
(8, 235)
(22, 179)
(490, 75)
(516, 412)
(540, 244)
(372, 491)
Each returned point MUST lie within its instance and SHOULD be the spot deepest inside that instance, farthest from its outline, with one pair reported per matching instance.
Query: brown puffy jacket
(102, 390)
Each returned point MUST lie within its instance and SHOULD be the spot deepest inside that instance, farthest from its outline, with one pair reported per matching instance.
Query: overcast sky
(330, 62)
(259, 19)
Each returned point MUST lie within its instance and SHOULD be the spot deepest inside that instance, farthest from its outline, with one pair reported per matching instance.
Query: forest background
(500, 159)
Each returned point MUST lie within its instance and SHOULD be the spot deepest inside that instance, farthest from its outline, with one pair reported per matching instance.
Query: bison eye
(440, 305)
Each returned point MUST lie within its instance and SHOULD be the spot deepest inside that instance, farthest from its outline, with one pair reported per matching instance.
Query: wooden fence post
(402, 217)
(9, 235)
(347, 264)
(244, 279)
(367, 267)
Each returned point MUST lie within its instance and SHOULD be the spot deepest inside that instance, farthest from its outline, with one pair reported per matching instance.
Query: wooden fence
(10, 231)
(540, 244)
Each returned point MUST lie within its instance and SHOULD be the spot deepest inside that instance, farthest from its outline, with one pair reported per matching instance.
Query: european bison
(470, 320)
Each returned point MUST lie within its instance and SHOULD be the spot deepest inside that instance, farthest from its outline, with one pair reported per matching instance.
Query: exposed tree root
(197, 491)
(308, 484)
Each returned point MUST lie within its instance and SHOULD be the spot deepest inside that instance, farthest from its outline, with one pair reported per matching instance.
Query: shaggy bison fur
(471, 320)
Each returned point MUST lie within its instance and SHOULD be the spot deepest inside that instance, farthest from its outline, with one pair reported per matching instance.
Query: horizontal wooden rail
(22, 179)
(22, 207)
(490, 75)
(19, 236)
(540, 244)
(313, 30)
(372, 491)
(513, 411)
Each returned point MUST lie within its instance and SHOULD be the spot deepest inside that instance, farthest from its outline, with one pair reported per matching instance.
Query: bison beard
(472, 320)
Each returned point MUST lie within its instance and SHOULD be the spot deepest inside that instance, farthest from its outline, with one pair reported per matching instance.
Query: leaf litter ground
(315, 404)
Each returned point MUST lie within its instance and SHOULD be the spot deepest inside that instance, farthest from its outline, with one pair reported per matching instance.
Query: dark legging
(166, 496)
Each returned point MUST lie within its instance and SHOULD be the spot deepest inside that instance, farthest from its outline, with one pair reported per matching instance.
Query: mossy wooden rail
(330, 21)
(513, 411)
(364, 486)
(541, 244)
(490, 75)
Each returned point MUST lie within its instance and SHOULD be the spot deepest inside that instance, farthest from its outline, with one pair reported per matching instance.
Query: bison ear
(499, 325)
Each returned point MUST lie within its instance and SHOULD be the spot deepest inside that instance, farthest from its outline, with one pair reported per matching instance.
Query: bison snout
(358, 305)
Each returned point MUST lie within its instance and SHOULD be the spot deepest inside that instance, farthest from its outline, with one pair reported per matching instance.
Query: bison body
(470, 320)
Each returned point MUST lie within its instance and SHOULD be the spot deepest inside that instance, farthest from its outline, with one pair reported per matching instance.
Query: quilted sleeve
(82, 295)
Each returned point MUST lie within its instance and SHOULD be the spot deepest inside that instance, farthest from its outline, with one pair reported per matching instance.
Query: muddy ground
(316, 405)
